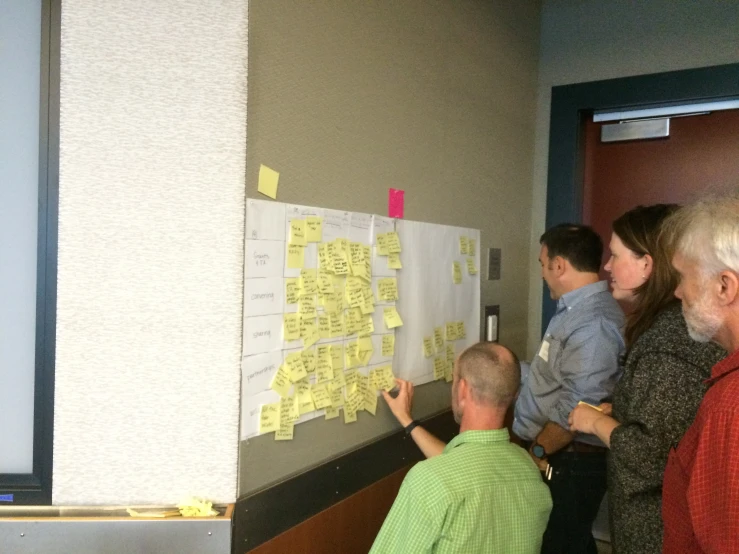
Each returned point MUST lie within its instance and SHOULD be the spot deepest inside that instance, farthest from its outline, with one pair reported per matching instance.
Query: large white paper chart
(429, 298)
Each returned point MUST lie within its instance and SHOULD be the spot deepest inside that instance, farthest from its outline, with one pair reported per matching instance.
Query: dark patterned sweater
(655, 401)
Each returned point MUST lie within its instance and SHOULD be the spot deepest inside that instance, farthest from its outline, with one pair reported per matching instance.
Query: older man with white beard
(700, 506)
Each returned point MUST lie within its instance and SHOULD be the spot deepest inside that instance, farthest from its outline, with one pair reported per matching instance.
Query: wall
(591, 41)
(435, 97)
(151, 216)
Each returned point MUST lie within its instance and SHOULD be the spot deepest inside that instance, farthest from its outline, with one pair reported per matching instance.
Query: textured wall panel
(153, 145)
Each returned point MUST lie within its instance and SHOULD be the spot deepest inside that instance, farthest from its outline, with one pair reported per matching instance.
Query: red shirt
(700, 494)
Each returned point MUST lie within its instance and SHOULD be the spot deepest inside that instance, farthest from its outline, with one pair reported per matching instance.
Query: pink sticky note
(395, 203)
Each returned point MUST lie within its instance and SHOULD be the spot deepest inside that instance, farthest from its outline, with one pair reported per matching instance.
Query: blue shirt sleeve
(589, 367)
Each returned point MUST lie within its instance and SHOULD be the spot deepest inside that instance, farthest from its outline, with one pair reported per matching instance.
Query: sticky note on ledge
(463, 245)
(392, 318)
(268, 179)
(314, 229)
(332, 413)
(285, 433)
(456, 273)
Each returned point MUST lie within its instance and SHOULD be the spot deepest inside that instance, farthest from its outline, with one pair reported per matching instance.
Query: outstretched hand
(401, 405)
(583, 419)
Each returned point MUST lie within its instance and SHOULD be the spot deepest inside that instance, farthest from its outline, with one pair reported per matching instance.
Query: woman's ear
(648, 262)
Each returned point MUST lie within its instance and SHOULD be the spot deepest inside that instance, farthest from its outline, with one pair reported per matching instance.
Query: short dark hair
(578, 244)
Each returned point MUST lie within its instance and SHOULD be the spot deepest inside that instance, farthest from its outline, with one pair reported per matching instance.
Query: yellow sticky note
(314, 229)
(269, 418)
(291, 327)
(471, 269)
(351, 353)
(392, 318)
(381, 240)
(389, 377)
(288, 412)
(309, 360)
(321, 396)
(308, 282)
(332, 413)
(388, 345)
(268, 179)
(324, 370)
(337, 325)
(305, 398)
(590, 405)
(463, 245)
(337, 394)
(428, 347)
(393, 261)
(365, 344)
(325, 283)
(281, 381)
(367, 327)
(285, 433)
(298, 233)
(295, 366)
(439, 366)
(461, 333)
(471, 247)
(449, 371)
(295, 256)
(292, 290)
(307, 306)
(438, 338)
(451, 331)
(325, 262)
(324, 326)
(456, 273)
(393, 243)
(450, 356)
(350, 381)
(370, 401)
(337, 356)
(387, 289)
(349, 416)
(310, 335)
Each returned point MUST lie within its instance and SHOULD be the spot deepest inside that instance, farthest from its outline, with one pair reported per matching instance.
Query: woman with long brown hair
(662, 385)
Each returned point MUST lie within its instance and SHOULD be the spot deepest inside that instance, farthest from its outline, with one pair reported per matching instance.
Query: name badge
(544, 351)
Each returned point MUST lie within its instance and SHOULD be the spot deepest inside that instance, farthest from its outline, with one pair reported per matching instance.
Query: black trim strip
(571, 103)
(266, 514)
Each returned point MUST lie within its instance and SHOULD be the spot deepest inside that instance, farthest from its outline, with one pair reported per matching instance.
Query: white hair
(708, 233)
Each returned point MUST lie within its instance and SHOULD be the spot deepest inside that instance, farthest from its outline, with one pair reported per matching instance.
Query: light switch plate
(494, 258)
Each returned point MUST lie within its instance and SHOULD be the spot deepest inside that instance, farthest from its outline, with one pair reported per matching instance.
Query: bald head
(492, 372)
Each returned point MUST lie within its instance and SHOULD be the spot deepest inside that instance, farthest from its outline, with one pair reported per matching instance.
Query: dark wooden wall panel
(349, 526)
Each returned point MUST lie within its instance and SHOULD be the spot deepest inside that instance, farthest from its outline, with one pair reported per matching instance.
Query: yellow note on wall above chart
(456, 273)
(290, 327)
(298, 233)
(393, 261)
(461, 333)
(392, 318)
(472, 247)
(388, 345)
(449, 371)
(471, 269)
(314, 229)
(393, 243)
(268, 179)
(269, 418)
(428, 347)
(295, 256)
(451, 331)
(450, 355)
(438, 338)
(463, 245)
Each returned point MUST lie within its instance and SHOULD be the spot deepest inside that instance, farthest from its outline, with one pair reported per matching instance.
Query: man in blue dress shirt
(578, 360)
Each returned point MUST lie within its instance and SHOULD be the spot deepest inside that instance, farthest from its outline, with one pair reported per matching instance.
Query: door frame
(572, 103)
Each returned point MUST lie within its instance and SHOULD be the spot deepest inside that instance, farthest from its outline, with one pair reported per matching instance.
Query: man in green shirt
(480, 493)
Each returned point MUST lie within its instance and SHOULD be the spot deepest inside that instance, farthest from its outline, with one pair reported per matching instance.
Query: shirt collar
(482, 437)
(727, 365)
(568, 300)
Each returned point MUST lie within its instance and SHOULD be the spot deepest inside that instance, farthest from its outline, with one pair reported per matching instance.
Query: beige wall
(591, 41)
(437, 97)
(151, 228)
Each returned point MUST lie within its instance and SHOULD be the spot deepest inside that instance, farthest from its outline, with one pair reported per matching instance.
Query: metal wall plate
(635, 130)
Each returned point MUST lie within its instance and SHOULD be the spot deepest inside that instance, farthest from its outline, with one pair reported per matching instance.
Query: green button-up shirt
(481, 495)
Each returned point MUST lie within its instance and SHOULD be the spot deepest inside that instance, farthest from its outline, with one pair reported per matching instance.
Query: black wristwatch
(538, 451)
(412, 425)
